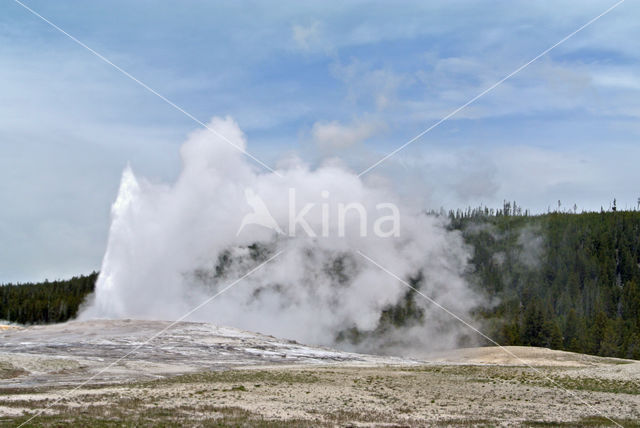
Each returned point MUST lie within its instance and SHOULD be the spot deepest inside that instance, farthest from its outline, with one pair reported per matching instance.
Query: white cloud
(335, 135)
(546, 86)
(378, 86)
(306, 37)
(617, 78)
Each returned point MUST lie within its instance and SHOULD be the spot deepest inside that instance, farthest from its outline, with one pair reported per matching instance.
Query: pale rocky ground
(202, 375)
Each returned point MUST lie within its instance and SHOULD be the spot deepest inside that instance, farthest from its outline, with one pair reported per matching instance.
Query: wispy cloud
(334, 135)
(306, 37)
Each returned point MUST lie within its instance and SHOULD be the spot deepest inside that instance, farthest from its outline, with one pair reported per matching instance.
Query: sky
(317, 80)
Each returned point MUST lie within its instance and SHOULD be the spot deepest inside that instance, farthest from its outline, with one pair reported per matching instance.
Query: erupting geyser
(172, 246)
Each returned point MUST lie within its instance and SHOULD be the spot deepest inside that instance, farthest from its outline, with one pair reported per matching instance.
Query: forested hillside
(44, 302)
(564, 281)
(560, 280)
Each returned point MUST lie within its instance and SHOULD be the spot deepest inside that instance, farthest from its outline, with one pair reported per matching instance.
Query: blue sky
(317, 79)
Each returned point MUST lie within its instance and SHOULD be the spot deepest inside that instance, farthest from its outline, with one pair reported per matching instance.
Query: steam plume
(173, 245)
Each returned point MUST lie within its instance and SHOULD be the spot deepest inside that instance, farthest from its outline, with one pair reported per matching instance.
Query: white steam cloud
(173, 245)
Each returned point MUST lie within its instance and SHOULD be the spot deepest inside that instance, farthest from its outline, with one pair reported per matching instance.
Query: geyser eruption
(172, 246)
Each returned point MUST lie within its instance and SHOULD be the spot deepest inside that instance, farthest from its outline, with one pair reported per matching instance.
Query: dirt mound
(522, 355)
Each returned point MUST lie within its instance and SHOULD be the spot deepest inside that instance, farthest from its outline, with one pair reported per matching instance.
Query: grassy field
(442, 395)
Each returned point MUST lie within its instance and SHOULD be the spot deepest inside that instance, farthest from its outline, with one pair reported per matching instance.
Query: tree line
(45, 302)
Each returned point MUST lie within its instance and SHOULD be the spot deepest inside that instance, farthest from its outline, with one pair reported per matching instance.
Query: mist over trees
(561, 280)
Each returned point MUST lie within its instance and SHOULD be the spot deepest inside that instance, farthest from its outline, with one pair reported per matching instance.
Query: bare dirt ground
(203, 375)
